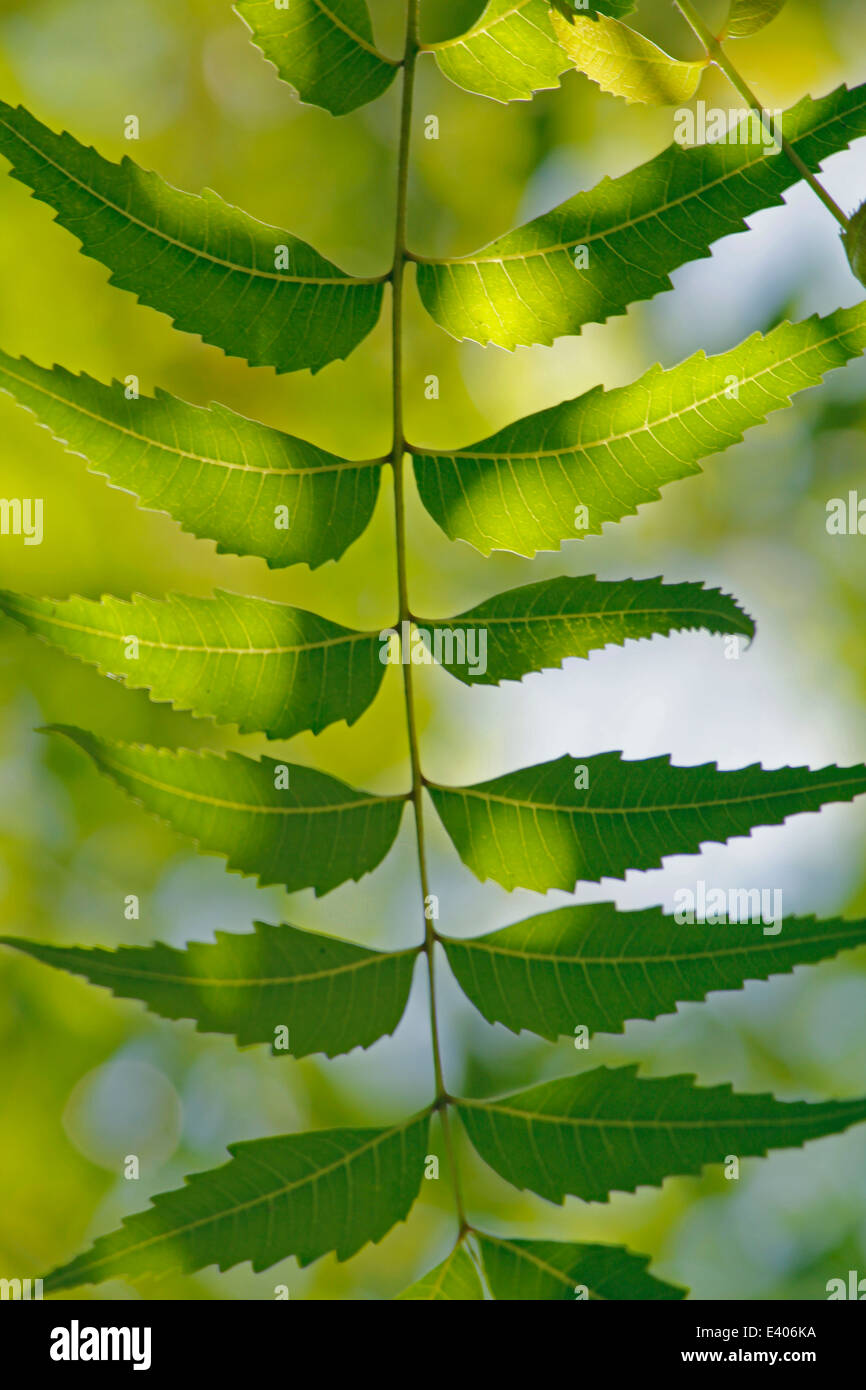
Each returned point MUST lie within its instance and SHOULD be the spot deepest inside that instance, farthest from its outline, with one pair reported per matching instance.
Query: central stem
(397, 277)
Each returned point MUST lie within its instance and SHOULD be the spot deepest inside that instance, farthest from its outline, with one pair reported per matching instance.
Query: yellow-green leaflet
(625, 63)
(263, 666)
(565, 472)
(253, 489)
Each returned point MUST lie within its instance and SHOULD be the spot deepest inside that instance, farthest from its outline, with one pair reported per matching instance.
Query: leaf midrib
(653, 810)
(187, 647)
(187, 795)
(159, 977)
(478, 944)
(710, 1122)
(291, 471)
(362, 43)
(566, 616)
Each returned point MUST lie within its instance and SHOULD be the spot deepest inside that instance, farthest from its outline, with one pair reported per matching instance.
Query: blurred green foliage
(86, 1079)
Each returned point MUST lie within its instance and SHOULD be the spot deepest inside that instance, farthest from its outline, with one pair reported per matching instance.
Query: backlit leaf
(540, 625)
(609, 1130)
(322, 48)
(511, 51)
(211, 267)
(577, 818)
(623, 62)
(330, 994)
(247, 661)
(532, 286)
(314, 833)
(564, 472)
(251, 488)
(300, 1194)
(594, 966)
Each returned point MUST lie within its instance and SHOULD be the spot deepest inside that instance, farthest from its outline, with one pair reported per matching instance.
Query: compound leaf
(299, 1194)
(624, 62)
(263, 666)
(564, 472)
(547, 1269)
(455, 1280)
(595, 966)
(511, 51)
(315, 832)
(608, 1130)
(539, 625)
(211, 267)
(330, 994)
(748, 16)
(576, 818)
(252, 489)
(324, 50)
(530, 286)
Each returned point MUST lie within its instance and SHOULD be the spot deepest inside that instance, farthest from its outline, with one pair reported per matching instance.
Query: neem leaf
(282, 822)
(623, 62)
(564, 472)
(324, 50)
(609, 1130)
(552, 1270)
(300, 1194)
(511, 51)
(600, 251)
(539, 625)
(330, 995)
(748, 16)
(576, 818)
(251, 488)
(455, 1280)
(212, 268)
(595, 966)
(247, 661)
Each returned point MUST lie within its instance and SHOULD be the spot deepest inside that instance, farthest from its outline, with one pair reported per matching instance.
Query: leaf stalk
(716, 54)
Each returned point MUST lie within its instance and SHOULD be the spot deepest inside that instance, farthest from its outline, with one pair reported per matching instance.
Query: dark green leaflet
(314, 833)
(247, 661)
(323, 48)
(534, 828)
(540, 625)
(251, 488)
(211, 267)
(548, 1269)
(596, 966)
(609, 1130)
(300, 1194)
(331, 995)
